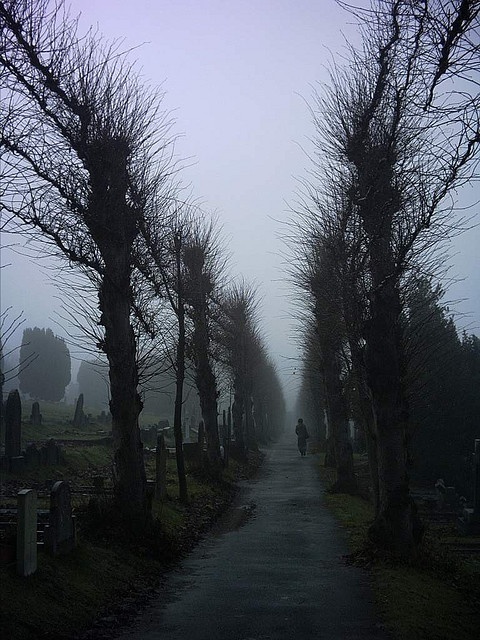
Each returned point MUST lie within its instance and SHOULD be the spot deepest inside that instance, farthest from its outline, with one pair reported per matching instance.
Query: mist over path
(278, 576)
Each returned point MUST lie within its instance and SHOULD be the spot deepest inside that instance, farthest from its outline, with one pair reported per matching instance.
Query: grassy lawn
(439, 600)
(67, 594)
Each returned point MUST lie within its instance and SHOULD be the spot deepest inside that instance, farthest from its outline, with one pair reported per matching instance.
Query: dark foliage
(48, 374)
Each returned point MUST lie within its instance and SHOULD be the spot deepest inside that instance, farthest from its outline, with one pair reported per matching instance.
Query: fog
(238, 77)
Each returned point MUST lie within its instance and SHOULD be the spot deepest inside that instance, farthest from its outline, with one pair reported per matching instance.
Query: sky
(237, 77)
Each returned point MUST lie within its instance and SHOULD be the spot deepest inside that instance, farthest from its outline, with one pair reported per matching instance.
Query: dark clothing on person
(302, 434)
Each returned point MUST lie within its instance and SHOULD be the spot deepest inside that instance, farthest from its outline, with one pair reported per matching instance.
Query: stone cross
(161, 469)
(26, 532)
(13, 425)
(60, 533)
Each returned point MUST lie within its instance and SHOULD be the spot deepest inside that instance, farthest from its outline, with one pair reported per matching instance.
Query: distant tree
(442, 388)
(49, 374)
(203, 271)
(92, 378)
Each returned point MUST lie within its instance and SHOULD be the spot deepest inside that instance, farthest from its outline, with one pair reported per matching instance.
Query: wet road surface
(278, 576)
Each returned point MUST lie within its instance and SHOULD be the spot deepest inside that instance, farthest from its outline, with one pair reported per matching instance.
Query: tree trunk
(180, 378)
(237, 417)
(397, 526)
(250, 436)
(207, 392)
(125, 404)
(338, 422)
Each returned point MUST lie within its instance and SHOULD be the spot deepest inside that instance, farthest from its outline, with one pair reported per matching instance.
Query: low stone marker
(13, 425)
(161, 469)
(26, 532)
(60, 535)
(36, 416)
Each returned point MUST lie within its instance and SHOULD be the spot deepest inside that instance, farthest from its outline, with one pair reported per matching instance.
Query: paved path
(279, 576)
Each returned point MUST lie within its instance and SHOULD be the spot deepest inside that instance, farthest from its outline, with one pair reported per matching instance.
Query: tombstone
(60, 535)
(52, 454)
(79, 417)
(36, 416)
(161, 469)
(32, 456)
(13, 425)
(26, 532)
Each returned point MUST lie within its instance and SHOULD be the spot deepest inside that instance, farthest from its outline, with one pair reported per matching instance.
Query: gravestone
(79, 416)
(60, 534)
(13, 425)
(36, 416)
(32, 456)
(161, 469)
(26, 532)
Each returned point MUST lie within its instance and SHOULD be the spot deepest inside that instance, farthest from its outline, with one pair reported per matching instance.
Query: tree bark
(397, 526)
(338, 422)
(125, 404)
(180, 378)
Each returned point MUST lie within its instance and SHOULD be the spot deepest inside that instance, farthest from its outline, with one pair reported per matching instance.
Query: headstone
(60, 534)
(161, 469)
(13, 425)
(36, 416)
(26, 532)
(79, 416)
(32, 456)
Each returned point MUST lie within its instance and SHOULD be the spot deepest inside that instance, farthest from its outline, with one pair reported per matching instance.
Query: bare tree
(392, 148)
(241, 349)
(204, 268)
(83, 157)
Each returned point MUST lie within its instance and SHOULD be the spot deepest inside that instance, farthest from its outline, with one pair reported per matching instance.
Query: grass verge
(437, 599)
(108, 577)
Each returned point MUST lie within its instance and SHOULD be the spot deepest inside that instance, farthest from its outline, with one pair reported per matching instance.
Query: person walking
(302, 435)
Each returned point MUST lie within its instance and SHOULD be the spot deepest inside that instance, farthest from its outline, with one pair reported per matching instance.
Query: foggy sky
(236, 75)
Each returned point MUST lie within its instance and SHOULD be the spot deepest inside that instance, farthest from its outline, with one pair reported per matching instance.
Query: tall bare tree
(392, 147)
(204, 266)
(82, 142)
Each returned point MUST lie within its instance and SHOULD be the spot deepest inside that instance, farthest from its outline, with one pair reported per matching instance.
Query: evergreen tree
(50, 372)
